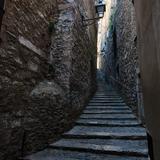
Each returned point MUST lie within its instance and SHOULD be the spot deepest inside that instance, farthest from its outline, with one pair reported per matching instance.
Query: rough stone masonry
(121, 61)
(47, 71)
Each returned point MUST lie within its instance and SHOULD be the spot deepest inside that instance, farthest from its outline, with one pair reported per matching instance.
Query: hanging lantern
(100, 8)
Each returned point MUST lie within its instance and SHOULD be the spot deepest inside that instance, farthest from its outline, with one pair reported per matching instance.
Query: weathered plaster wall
(48, 65)
(148, 25)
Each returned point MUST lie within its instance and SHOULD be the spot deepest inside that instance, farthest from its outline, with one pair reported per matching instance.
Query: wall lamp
(100, 8)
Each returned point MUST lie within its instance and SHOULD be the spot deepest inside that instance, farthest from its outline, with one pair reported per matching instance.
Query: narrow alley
(107, 129)
(79, 80)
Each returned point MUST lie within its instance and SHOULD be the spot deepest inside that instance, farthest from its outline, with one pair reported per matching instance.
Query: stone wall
(103, 28)
(108, 61)
(48, 62)
(126, 56)
(121, 58)
(23, 63)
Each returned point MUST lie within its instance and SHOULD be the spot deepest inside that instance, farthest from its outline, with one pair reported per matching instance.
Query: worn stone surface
(104, 146)
(101, 122)
(109, 116)
(47, 63)
(107, 112)
(50, 154)
(104, 104)
(88, 141)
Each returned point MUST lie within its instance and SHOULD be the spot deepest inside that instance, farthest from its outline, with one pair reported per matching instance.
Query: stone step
(109, 97)
(53, 154)
(108, 107)
(105, 95)
(107, 111)
(114, 119)
(106, 132)
(106, 92)
(103, 99)
(139, 144)
(112, 123)
(106, 101)
(105, 116)
(106, 104)
(115, 147)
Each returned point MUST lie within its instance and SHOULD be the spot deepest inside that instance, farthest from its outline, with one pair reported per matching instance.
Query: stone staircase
(107, 129)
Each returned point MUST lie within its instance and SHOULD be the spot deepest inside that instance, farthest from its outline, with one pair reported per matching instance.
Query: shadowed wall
(148, 25)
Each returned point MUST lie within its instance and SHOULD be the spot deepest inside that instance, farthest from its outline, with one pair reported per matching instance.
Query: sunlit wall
(103, 26)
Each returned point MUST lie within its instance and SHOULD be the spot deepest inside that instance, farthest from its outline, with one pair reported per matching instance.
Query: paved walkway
(107, 130)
